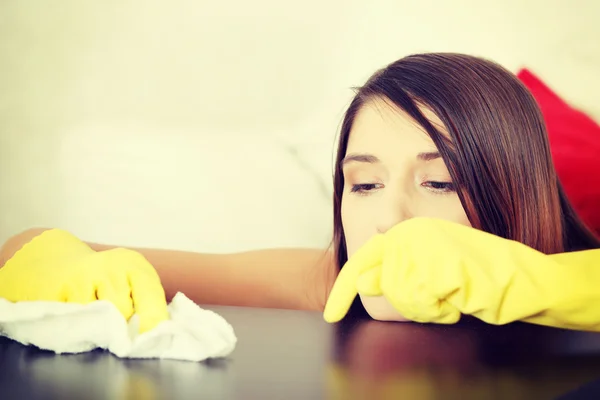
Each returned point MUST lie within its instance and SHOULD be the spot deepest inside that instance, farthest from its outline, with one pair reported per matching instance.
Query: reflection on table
(471, 360)
(296, 355)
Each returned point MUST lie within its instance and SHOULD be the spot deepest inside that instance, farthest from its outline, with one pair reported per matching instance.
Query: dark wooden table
(296, 355)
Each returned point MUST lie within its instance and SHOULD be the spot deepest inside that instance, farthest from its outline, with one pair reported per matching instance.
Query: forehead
(379, 125)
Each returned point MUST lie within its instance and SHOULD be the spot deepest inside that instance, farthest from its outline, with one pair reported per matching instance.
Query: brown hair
(496, 148)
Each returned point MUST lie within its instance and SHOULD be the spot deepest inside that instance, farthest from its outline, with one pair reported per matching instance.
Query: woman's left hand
(432, 270)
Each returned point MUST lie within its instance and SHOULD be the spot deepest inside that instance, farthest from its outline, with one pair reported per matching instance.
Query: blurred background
(210, 126)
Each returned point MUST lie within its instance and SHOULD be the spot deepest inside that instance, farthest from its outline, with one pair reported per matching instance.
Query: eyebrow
(371, 159)
(364, 158)
(432, 155)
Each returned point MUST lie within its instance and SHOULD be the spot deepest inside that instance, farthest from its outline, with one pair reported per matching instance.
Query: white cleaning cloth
(192, 333)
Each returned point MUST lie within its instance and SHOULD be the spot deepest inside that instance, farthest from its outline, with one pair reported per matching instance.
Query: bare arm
(272, 278)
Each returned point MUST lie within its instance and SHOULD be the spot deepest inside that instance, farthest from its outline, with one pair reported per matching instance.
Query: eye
(439, 187)
(364, 188)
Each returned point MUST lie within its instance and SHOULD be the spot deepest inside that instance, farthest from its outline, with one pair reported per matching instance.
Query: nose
(392, 212)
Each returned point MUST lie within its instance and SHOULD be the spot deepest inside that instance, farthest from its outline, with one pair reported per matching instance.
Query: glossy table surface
(296, 355)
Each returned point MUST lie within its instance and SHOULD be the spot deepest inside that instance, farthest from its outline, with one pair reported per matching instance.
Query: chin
(380, 309)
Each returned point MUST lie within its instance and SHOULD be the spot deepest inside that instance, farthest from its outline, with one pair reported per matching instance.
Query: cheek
(448, 209)
(357, 223)
(457, 213)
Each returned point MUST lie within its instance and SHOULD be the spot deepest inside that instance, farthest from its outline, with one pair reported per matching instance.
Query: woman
(445, 136)
(487, 156)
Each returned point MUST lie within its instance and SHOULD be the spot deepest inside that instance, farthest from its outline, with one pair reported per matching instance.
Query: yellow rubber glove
(433, 271)
(57, 266)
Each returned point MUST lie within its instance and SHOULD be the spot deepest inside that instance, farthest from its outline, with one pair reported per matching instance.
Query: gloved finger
(447, 314)
(368, 283)
(396, 278)
(440, 313)
(404, 283)
(108, 274)
(401, 281)
(115, 288)
(79, 291)
(149, 300)
(344, 289)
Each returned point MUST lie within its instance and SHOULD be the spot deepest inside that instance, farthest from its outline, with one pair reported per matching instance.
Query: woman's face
(393, 172)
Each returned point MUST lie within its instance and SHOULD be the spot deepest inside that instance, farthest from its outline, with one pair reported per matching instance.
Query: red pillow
(575, 145)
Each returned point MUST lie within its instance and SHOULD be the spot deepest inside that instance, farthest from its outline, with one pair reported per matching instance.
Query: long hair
(496, 148)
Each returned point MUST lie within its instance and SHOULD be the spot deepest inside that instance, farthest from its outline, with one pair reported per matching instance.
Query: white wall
(210, 125)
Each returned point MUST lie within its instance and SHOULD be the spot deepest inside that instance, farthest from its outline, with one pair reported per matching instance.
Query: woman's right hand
(57, 266)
